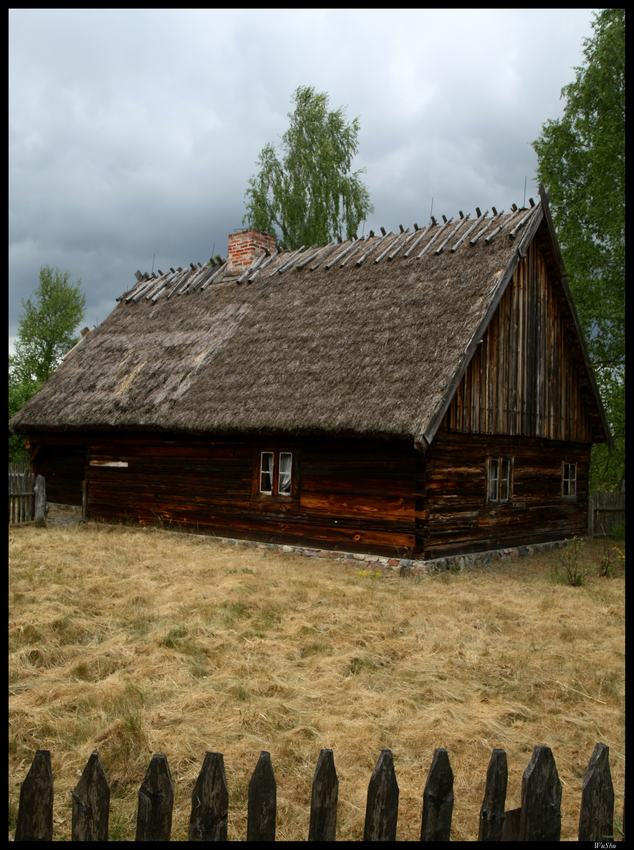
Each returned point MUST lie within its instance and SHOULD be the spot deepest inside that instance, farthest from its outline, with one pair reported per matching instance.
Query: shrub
(570, 567)
(610, 558)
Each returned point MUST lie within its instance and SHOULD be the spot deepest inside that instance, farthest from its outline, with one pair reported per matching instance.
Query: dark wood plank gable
(525, 377)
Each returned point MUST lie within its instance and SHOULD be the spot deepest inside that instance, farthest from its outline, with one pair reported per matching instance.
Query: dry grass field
(134, 641)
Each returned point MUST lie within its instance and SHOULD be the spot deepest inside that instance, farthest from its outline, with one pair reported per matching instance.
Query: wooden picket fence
(21, 494)
(27, 496)
(537, 819)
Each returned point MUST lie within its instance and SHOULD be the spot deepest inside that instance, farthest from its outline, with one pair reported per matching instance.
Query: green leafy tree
(581, 158)
(45, 333)
(309, 195)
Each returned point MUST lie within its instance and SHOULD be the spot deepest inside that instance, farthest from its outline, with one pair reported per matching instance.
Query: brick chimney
(245, 246)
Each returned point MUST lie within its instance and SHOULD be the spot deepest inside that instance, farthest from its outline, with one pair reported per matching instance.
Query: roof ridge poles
(215, 275)
(187, 286)
(358, 242)
(416, 241)
(325, 252)
(486, 226)
(138, 291)
(488, 239)
(160, 283)
(341, 254)
(384, 252)
(266, 262)
(433, 239)
(367, 253)
(283, 266)
(303, 257)
(466, 233)
(200, 278)
(314, 252)
(178, 279)
(253, 267)
(523, 220)
(408, 238)
(439, 249)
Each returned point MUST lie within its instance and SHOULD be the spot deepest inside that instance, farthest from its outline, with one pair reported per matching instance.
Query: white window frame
(279, 474)
(568, 480)
(276, 473)
(270, 472)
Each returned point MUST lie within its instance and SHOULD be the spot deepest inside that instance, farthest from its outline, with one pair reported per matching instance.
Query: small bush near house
(611, 558)
(571, 568)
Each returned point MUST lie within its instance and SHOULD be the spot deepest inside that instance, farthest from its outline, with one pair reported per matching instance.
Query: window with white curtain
(285, 472)
(276, 473)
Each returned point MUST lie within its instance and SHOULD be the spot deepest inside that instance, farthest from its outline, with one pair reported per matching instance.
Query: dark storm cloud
(133, 134)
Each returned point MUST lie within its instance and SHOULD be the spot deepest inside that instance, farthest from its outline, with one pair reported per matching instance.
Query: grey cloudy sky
(134, 133)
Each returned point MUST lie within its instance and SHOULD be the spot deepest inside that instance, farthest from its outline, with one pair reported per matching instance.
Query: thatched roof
(364, 337)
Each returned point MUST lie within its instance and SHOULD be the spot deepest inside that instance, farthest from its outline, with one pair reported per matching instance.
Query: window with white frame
(276, 473)
(499, 479)
(266, 472)
(569, 479)
(284, 474)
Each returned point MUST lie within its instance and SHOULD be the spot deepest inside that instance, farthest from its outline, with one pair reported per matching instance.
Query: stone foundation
(409, 566)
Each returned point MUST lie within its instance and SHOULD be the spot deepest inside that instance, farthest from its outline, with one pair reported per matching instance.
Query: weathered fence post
(437, 799)
(511, 826)
(35, 809)
(156, 798)
(591, 504)
(596, 817)
(323, 803)
(210, 801)
(39, 490)
(262, 801)
(381, 811)
(540, 819)
(91, 803)
(492, 810)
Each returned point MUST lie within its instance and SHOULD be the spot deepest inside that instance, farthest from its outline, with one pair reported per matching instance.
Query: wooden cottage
(420, 393)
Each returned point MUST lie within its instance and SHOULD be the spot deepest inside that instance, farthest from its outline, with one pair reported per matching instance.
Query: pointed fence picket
(538, 818)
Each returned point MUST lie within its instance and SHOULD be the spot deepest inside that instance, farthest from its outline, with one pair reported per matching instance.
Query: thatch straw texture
(367, 345)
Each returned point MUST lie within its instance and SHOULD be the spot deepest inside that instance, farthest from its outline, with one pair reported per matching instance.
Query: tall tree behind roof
(45, 333)
(581, 158)
(308, 194)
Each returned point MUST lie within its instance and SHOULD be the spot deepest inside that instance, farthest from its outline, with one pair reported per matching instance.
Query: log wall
(348, 495)
(525, 377)
(458, 516)
(359, 496)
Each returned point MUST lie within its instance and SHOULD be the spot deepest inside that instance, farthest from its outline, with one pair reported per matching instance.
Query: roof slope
(362, 337)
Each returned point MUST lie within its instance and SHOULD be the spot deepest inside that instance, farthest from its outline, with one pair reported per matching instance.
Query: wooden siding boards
(378, 497)
(352, 495)
(461, 520)
(524, 369)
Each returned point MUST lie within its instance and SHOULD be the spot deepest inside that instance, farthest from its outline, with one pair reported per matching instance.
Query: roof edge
(437, 417)
(544, 195)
